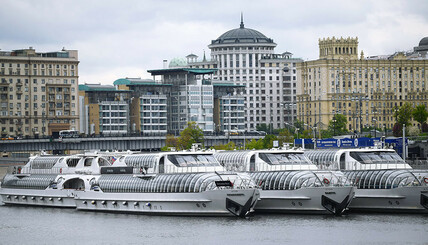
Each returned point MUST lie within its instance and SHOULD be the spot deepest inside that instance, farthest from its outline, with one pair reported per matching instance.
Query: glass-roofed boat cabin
(172, 162)
(264, 160)
(357, 159)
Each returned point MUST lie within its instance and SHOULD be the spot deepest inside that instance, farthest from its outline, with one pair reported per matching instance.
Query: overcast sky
(118, 39)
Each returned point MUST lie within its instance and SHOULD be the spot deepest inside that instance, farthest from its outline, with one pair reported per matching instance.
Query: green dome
(177, 62)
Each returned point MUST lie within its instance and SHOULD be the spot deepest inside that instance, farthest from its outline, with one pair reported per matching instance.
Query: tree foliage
(228, 147)
(404, 114)
(420, 114)
(171, 141)
(285, 136)
(255, 144)
(191, 134)
(337, 125)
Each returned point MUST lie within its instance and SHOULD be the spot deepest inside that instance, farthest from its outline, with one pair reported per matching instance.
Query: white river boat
(48, 180)
(170, 183)
(290, 183)
(383, 180)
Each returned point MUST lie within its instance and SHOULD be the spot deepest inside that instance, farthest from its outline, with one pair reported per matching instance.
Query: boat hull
(313, 200)
(207, 203)
(409, 199)
(49, 197)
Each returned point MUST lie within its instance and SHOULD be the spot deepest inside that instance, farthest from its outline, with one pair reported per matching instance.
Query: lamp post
(404, 142)
(359, 98)
(297, 129)
(314, 132)
(334, 125)
(374, 125)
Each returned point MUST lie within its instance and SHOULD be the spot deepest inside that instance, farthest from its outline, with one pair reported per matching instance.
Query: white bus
(68, 134)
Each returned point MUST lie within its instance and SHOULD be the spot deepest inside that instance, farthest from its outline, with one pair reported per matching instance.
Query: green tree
(306, 134)
(171, 141)
(299, 124)
(403, 115)
(228, 147)
(255, 144)
(326, 134)
(420, 114)
(285, 136)
(191, 134)
(268, 141)
(337, 126)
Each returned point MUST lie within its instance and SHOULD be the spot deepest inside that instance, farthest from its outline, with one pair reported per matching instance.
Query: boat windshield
(378, 157)
(193, 160)
(285, 158)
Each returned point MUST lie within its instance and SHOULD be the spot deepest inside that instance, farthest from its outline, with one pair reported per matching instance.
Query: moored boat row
(217, 184)
(184, 183)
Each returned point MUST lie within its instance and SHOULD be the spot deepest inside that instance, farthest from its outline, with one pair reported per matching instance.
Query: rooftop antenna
(242, 21)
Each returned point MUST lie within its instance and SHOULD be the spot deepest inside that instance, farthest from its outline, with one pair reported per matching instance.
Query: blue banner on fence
(396, 144)
(347, 143)
(307, 141)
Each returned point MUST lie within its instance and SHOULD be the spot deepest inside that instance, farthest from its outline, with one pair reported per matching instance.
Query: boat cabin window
(72, 162)
(193, 160)
(343, 161)
(162, 165)
(76, 184)
(377, 157)
(88, 161)
(284, 158)
(103, 162)
(253, 163)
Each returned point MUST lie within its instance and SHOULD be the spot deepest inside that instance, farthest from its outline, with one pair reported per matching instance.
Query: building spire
(242, 21)
(205, 58)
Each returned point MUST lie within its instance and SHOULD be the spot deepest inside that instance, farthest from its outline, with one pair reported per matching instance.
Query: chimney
(165, 64)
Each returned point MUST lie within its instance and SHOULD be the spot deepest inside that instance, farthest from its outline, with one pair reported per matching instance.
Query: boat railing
(393, 164)
(282, 167)
(28, 170)
(174, 169)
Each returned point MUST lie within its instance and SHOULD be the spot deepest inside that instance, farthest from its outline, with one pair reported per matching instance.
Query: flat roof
(99, 88)
(175, 70)
(138, 82)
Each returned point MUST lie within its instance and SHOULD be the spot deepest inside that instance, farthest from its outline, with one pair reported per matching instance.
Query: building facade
(191, 97)
(148, 101)
(367, 90)
(38, 92)
(104, 110)
(246, 57)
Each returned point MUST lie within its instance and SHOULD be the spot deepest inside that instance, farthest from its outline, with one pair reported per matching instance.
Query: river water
(39, 225)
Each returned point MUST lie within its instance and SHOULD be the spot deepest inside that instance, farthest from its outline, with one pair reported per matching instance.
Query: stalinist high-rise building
(247, 58)
(367, 90)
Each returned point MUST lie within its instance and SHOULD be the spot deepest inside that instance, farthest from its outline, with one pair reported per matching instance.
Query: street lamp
(374, 125)
(360, 98)
(314, 132)
(334, 125)
(297, 129)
